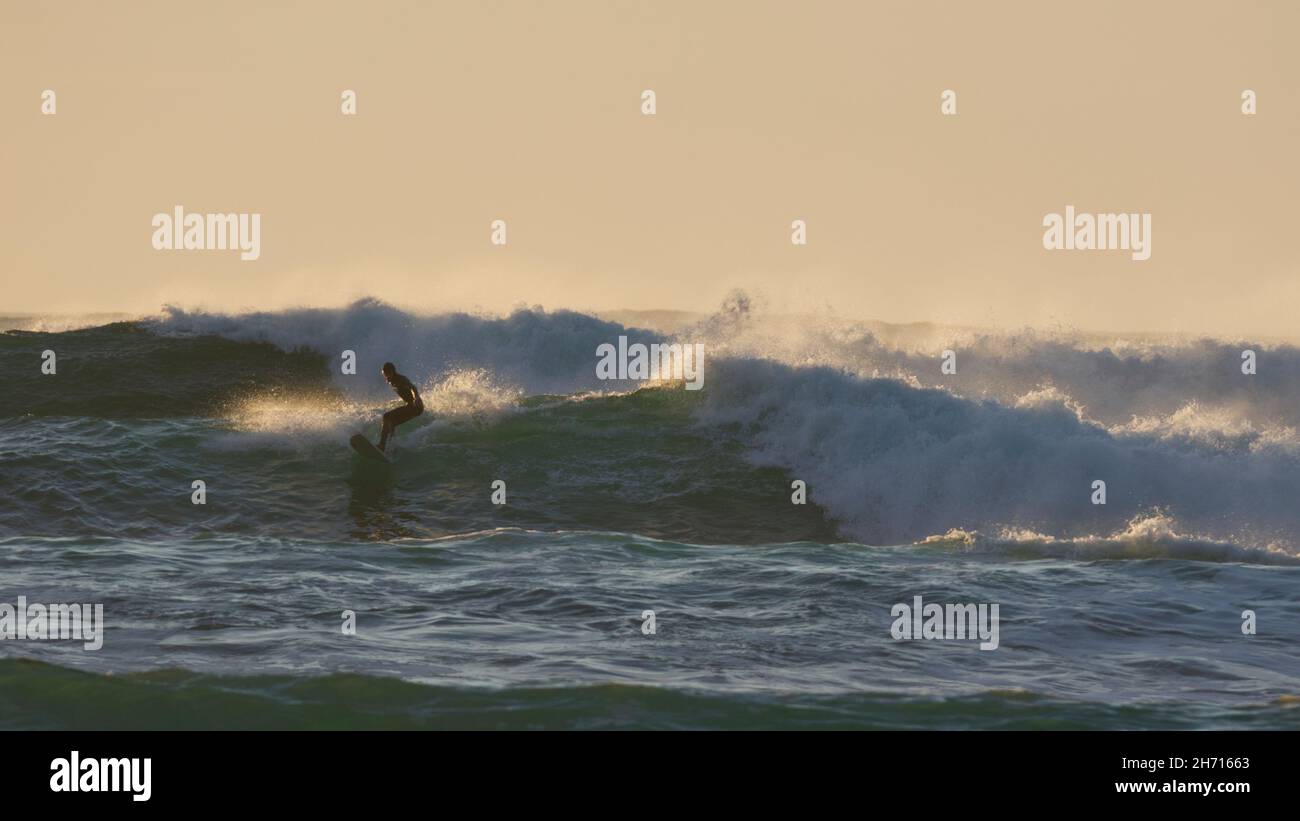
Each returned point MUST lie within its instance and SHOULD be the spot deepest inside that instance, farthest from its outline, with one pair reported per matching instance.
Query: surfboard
(368, 451)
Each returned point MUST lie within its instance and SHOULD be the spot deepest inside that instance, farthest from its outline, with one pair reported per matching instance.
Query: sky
(766, 113)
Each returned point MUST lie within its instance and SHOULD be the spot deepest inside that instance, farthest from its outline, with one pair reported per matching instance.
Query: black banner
(332, 770)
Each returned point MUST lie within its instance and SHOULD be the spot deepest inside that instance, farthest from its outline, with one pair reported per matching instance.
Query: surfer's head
(388, 370)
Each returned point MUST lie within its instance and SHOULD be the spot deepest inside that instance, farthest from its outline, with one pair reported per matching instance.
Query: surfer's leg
(387, 430)
(405, 414)
(396, 417)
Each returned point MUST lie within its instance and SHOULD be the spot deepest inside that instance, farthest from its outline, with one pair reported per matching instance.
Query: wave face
(538, 352)
(199, 364)
(257, 404)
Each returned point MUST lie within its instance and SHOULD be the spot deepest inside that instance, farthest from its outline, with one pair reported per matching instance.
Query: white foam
(1150, 536)
(894, 464)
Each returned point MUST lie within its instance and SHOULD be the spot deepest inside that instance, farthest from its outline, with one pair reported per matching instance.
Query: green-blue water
(530, 614)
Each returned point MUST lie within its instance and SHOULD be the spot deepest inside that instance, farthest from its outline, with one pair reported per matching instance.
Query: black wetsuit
(414, 407)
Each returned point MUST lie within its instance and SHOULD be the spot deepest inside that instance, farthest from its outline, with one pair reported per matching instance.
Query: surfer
(410, 395)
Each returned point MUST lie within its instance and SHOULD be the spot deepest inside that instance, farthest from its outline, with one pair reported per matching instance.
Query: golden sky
(767, 112)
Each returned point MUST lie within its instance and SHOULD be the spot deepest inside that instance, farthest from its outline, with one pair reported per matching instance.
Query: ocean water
(972, 487)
